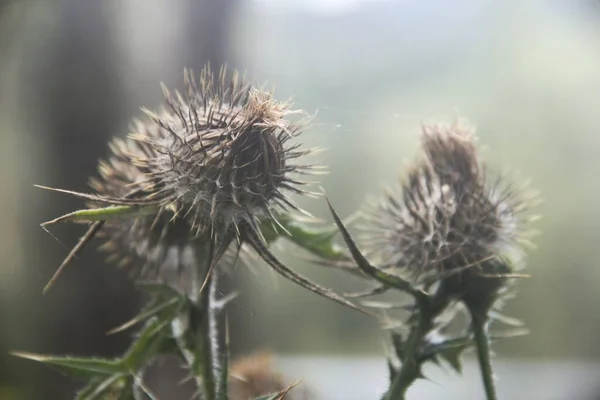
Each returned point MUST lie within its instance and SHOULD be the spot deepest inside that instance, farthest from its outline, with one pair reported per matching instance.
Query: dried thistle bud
(253, 376)
(217, 158)
(451, 223)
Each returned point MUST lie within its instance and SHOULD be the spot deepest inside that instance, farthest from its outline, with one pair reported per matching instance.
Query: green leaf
(269, 231)
(103, 214)
(158, 289)
(453, 357)
(147, 344)
(497, 316)
(78, 367)
(450, 350)
(127, 393)
(165, 309)
(101, 388)
(364, 264)
(316, 241)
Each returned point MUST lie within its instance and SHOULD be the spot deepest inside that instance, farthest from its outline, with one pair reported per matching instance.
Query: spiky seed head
(210, 160)
(451, 223)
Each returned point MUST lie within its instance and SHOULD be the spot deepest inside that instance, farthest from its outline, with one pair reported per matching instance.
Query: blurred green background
(73, 73)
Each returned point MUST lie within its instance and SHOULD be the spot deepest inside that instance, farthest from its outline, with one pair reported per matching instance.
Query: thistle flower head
(207, 169)
(218, 157)
(451, 219)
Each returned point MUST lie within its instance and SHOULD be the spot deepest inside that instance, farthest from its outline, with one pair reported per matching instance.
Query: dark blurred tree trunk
(74, 86)
(76, 89)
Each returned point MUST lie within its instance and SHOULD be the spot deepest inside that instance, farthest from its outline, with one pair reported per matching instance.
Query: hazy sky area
(317, 6)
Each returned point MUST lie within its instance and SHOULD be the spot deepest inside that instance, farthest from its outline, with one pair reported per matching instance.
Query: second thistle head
(451, 223)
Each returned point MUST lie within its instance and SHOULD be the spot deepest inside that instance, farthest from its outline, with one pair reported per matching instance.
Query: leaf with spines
(77, 367)
(116, 376)
(252, 238)
(97, 217)
(453, 356)
(147, 344)
(165, 304)
(169, 307)
(364, 264)
(101, 389)
(317, 241)
(450, 350)
(103, 214)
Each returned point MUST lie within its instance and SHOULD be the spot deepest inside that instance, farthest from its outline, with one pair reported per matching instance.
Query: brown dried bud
(452, 222)
(253, 376)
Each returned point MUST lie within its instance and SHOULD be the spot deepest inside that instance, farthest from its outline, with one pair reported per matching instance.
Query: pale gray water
(364, 378)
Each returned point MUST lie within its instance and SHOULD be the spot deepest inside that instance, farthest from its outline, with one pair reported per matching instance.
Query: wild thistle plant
(207, 178)
(453, 238)
(177, 199)
(210, 168)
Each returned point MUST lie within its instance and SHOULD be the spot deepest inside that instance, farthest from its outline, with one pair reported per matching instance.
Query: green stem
(479, 325)
(198, 332)
(429, 307)
(208, 339)
(410, 370)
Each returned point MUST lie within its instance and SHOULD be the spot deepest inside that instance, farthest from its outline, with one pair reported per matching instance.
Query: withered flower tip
(451, 223)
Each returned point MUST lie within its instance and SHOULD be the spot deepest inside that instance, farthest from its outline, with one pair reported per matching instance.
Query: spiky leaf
(165, 305)
(82, 368)
(147, 344)
(100, 389)
(316, 241)
(376, 273)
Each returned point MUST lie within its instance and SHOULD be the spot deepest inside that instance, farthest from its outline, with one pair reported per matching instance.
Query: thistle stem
(198, 332)
(208, 339)
(479, 325)
(410, 370)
